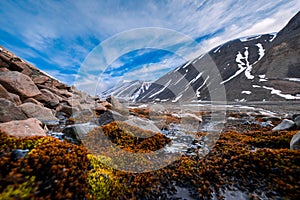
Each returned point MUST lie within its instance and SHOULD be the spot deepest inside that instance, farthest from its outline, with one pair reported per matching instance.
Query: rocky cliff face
(27, 92)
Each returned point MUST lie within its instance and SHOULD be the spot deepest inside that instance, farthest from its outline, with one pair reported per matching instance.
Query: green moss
(21, 191)
(103, 184)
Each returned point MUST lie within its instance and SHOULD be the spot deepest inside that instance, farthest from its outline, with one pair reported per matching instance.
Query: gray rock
(286, 124)
(110, 116)
(77, 132)
(297, 121)
(295, 142)
(43, 114)
(82, 116)
(9, 111)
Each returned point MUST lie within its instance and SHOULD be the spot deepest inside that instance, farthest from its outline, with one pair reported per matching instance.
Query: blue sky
(58, 36)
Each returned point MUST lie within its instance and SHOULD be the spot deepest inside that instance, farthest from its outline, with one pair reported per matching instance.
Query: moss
(11, 142)
(21, 191)
(103, 184)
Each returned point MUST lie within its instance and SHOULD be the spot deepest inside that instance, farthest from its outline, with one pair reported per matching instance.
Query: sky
(110, 41)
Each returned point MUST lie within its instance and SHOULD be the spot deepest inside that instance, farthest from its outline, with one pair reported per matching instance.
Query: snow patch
(245, 39)
(274, 36)
(242, 66)
(218, 49)
(196, 78)
(186, 64)
(177, 98)
(156, 93)
(246, 92)
(262, 76)
(198, 90)
(293, 79)
(261, 51)
(277, 92)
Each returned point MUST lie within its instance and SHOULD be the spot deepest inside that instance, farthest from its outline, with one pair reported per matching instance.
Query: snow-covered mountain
(128, 90)
(256, 68)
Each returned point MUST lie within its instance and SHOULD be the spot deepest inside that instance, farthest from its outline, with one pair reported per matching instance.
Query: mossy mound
(257, 162)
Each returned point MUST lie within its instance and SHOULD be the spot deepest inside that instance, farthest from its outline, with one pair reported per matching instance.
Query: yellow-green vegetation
(22, 191)
(102, 181)
(12, 142)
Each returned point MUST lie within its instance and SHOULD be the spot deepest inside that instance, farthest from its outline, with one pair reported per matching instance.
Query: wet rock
(286, 124)
(19, 153)
(19, 83)
(110, 116)
(75, 133)
(43, 114)
(58, 135)
(295, 142)
(9, 111)
(23, 128)
(297, 121)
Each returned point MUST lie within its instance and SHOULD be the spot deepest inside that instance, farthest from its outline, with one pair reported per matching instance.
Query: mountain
(128, 90)
(256, 68)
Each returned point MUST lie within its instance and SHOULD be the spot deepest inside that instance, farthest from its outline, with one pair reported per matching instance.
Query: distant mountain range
(257, 68)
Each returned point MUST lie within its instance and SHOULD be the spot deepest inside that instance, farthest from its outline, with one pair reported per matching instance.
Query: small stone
(18, 153)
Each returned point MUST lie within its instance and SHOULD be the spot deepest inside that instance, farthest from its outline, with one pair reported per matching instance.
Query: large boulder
(295, 142)
(286, 124)
(43, 114)
(9, 111)
(23, 128)
(19, 83)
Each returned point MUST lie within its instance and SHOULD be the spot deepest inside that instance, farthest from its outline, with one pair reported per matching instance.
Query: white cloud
(65, 32)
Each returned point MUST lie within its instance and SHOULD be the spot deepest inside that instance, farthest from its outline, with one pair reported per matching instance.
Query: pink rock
(19, 83)
(23, 128)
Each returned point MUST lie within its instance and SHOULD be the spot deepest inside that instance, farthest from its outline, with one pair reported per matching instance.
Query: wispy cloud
(58, 35)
